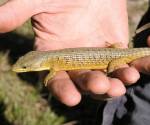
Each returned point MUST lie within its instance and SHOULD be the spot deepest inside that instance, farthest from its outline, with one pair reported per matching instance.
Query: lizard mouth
(15, 69)
(25, 69)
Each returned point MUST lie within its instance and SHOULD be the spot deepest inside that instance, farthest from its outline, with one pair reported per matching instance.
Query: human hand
(80, 23)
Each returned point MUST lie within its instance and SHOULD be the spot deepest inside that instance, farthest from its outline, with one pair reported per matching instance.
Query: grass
(21, 104)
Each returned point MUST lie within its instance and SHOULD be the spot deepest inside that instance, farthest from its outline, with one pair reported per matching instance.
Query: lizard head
(32, 61)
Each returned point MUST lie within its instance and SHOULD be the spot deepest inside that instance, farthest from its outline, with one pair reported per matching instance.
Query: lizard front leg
(50, 75)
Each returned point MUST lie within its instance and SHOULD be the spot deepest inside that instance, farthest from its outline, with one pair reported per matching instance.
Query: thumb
(14, 13)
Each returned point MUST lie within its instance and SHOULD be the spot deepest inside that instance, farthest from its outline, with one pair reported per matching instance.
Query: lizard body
(78, 58)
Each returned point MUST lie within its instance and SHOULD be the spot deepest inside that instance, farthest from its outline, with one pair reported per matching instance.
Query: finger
(117, 88)
(148, 40)
(142, 64)
(63, 88)
(127, 75)
(14, 13)
(77, 77)
(94, 82)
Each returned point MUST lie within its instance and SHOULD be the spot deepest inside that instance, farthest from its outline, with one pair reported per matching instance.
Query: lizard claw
(50, 75)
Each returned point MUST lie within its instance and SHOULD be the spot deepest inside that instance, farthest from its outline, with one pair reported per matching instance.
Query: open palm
(82, 23)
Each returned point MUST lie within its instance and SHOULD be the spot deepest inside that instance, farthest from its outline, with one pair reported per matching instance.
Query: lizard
(108, 59)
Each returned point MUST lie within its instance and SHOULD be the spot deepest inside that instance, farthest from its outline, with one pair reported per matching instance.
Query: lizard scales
(78, 58)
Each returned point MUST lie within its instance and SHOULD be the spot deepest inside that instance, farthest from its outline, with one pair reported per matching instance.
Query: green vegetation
(20, 103)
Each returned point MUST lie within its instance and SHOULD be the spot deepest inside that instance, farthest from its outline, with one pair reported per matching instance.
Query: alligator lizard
(77, 58)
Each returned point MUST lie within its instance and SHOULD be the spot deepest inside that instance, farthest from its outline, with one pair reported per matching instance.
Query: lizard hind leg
(50, 75)
(114, 45)
(115, 64)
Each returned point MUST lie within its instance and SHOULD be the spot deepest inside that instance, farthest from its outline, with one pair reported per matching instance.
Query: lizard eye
(24, 67)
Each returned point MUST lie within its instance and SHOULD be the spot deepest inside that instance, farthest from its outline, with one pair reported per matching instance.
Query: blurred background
(24, 100)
